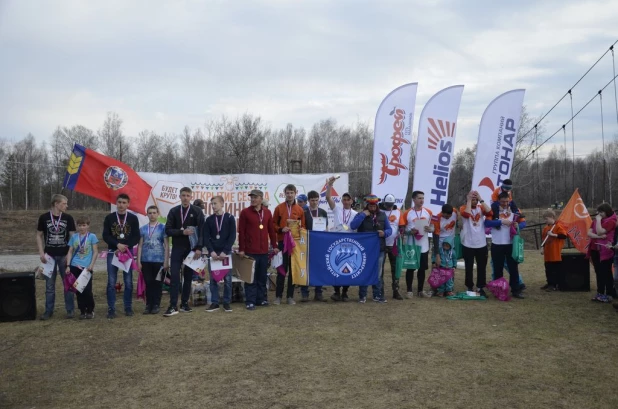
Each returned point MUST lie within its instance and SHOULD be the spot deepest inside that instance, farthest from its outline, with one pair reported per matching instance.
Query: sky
(163, 65)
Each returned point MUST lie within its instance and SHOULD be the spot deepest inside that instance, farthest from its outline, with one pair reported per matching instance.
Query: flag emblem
(115, 178)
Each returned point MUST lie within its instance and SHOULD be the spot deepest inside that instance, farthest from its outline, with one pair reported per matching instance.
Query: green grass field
(551, 350)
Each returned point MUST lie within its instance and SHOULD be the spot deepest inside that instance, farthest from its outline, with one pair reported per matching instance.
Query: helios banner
(495, 149)
(435, 146)
(393, 142)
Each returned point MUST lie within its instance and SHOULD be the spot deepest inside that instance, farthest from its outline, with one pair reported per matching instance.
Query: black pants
(500, 253)
(420, 275)
(154, 288)
(392, 259)
(480, 255)
(85, 299)
(177, 257)
(603, 270)
(287, 265)
(552, 272)
(337, 289)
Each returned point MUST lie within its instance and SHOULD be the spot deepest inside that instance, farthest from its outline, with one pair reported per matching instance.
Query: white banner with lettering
(393, 142)
(495, 149)
(435, 146)
(235, 189)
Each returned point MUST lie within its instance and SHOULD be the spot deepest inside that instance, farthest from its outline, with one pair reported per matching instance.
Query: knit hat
(372, 199)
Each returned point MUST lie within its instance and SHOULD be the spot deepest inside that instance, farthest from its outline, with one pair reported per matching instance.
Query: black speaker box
(17, 297)
(575, 272)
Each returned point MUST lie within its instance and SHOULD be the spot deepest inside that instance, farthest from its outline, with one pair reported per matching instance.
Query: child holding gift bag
(445, 265)
(82, 255)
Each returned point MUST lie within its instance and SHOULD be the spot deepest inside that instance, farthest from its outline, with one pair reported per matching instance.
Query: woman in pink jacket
(601, 235)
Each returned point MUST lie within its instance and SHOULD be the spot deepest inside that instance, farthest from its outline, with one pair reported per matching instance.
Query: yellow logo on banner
(300, 266)
(74, 163)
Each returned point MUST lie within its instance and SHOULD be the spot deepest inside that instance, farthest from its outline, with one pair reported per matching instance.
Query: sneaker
(424, 294)
(344, 297)
(111, 314)
(250, 307)
(381, 300)
(449, 294)
(598, 297)
(128, 313)
(213, 307)
(147, 310)
(546, 287)
(549, 289)
(482, 293)
(227, 307)
(335, 297)
(82, 316)
(90, 315)
(409, 295)
(263, 304)
(291, 301)
(362, 300)
(397, 296)
(70, 314)
(185, 308)
(170, 312)
(319, 298)
(304, 298)
(45, 316)
(277, 301)
(518, 295)
(155, 309)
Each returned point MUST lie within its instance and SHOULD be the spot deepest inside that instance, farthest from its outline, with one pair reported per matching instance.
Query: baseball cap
(256, 192)
(389, 199)
(302, 197)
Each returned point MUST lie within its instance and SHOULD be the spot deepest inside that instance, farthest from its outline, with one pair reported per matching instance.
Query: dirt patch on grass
(549, 350)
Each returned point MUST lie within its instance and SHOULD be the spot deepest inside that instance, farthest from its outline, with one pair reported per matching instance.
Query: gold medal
(261, 226)
(345, 227)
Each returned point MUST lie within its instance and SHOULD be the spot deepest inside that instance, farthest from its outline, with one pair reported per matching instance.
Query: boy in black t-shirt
(54, 230)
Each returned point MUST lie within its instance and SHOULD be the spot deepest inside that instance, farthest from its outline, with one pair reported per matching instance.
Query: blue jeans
(112, 277)
(227, 289)
(377, 288)
(60, 265)
(304, 290)
(176, 268)
(255, 292)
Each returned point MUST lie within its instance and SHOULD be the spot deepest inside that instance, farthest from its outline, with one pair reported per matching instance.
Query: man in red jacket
(255, 228)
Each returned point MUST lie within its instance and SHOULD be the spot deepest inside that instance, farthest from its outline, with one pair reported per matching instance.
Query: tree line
(31, 171)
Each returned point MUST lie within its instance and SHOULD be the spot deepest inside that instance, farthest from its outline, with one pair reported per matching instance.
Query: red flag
(100, 176)
(576, 221)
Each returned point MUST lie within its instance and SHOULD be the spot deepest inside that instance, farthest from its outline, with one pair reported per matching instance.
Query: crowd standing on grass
(73, 250)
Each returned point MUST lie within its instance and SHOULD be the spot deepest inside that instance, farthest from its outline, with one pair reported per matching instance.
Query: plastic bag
(439, 276)
(499, 288)
(69, 280)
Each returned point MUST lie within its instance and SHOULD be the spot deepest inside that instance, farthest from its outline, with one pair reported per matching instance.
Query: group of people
(260, 233)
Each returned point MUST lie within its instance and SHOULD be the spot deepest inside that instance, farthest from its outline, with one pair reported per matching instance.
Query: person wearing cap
(372, 219)
(415, 223)
(314, 217)
(302, 200)
(392, 216)
(284, 213)
(506, 187)
(342, 216)
(255, 228)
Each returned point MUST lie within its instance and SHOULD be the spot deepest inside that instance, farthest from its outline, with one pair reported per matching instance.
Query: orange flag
(576, 221)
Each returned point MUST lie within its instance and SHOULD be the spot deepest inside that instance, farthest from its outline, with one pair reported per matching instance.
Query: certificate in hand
(82, 281)
(196, 265)
(126, 266)
(47, 269)
(225, 264)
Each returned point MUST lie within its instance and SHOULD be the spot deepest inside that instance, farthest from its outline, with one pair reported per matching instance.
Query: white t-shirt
(410, 218)
(393, 218)
(473, 229)
(503, 234)
(342, 216)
